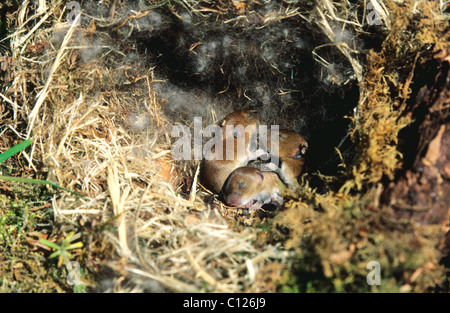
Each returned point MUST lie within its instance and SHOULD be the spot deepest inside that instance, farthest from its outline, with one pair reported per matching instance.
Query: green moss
(25, 266)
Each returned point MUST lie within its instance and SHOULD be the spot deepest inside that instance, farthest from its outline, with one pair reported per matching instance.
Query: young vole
(291, 150)
(239, 131)
(249, 187)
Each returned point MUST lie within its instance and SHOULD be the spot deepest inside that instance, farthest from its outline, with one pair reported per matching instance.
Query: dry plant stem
(331, 10)
(170, 282)
(200, 272)
(31, 32)
(325, 26)
(118, 202)
(14, 105)
(44, 92)
(71, 129)
(194, 185)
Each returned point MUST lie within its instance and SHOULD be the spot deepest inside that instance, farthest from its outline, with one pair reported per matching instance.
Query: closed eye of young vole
(249, 187)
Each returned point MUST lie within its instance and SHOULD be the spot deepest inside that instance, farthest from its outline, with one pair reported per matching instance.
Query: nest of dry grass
(101, 121)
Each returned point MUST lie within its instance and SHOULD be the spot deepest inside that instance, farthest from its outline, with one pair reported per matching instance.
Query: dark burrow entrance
(285, 70)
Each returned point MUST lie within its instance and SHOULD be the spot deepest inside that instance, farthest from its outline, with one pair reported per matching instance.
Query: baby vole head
(240, 119)
(292, 144)
(241, 185)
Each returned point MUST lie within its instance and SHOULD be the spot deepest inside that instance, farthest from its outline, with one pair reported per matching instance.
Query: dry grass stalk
(44, 92)
(343, 47)
(118, 200)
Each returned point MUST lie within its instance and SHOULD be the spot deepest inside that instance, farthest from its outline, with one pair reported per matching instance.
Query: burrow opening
(285, 70)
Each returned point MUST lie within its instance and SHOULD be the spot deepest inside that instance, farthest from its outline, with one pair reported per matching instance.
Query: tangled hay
(100, 101)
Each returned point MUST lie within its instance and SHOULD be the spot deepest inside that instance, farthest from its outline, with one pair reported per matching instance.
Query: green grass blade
(69, 237)
(75, 246)
(37, 182)
(49, 244)
(17, 148)
(54, 254)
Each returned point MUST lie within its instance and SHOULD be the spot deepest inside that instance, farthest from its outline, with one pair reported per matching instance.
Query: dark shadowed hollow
(249, 65)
